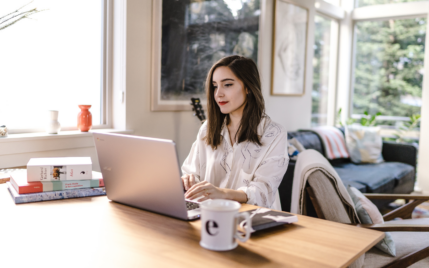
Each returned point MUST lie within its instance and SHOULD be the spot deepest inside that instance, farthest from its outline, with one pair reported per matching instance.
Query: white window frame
(330, 10)
(336, 14)
(106, 76)
(391, 11)
(107, 66)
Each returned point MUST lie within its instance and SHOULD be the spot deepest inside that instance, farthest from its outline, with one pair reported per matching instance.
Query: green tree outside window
(389, 67)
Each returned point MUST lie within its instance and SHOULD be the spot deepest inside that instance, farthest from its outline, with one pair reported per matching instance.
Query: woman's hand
(188, 181)
(205, 190)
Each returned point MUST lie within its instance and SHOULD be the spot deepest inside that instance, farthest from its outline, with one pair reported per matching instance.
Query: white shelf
(61, 135)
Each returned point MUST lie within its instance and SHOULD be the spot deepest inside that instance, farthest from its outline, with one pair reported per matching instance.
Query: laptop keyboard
(191, 205)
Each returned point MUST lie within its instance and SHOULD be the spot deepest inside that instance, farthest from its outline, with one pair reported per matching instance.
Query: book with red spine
(19, 182)
(54, 195)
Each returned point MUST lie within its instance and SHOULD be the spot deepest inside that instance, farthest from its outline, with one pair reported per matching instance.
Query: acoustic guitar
(198, 109)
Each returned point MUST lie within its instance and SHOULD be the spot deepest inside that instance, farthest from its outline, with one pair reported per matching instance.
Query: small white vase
(53, 125)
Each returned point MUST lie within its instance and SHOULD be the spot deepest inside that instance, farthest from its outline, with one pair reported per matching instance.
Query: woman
(239, 154)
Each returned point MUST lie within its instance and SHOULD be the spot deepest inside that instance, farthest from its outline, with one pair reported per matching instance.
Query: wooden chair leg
(409, 259)
(316, 205)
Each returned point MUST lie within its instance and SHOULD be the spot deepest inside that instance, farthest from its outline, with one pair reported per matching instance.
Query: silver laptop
(144, 173)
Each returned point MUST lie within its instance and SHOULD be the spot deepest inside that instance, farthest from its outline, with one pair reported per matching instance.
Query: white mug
(219, 220)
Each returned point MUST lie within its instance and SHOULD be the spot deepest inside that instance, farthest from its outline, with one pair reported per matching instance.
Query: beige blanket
(308, 162)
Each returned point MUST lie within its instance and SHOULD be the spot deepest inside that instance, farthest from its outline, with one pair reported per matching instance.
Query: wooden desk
(95, 232)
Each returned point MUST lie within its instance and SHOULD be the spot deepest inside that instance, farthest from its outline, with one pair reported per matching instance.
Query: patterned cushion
(369, 214)
(364, 144)
(292, 151)
(294, 147)
(308, 139)
(296, 144)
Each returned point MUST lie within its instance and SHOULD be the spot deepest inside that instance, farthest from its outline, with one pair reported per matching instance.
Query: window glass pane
(389, 67)
(362, 3)
(321, 65)
(50, 62)
(196, 34)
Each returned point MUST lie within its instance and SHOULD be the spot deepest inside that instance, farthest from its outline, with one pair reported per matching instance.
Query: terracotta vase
(84, 118)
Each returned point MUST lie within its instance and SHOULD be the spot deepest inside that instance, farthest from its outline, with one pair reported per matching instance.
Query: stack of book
(55, 178)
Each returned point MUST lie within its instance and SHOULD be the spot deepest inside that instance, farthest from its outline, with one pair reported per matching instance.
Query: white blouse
(256, 170)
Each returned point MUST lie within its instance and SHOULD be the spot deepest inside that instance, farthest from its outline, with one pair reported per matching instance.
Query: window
(362, 3)
(51, 62)
(389, 67)
(326, 31)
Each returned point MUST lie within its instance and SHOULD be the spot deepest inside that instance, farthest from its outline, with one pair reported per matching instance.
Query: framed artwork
(189, 36)
(290, 27)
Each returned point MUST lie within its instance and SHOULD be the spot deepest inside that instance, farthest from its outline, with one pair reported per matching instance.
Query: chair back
(325, 202)
(325, 199)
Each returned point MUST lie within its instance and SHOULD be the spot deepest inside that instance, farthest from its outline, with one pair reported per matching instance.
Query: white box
(59, 169)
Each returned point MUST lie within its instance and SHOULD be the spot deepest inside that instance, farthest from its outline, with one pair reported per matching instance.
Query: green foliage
(408, 126)
(338, 119)
(389, 64)
(389, 70)
(350, 121)
(368, 120)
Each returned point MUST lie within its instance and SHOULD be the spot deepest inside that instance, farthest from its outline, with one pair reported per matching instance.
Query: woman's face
(229, 91)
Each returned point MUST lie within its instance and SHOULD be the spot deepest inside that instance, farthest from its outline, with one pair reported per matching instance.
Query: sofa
(396, 175)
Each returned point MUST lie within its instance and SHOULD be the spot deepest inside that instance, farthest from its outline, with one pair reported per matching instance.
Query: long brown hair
(246, 70)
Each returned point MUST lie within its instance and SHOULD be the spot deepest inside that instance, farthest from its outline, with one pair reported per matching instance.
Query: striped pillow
(333, 141)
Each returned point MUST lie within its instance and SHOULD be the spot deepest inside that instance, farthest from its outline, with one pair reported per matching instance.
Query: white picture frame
(290, 37)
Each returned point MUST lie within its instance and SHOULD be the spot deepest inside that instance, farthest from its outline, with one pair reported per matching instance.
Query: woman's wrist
(236, 195)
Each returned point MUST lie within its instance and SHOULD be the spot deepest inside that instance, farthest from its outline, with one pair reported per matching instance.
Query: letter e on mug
(212, 228)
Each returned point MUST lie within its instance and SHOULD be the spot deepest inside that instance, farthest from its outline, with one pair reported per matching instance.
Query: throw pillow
(364, 144)
(333, 142)
(296, 144)
(368, 214)
(294, 147)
